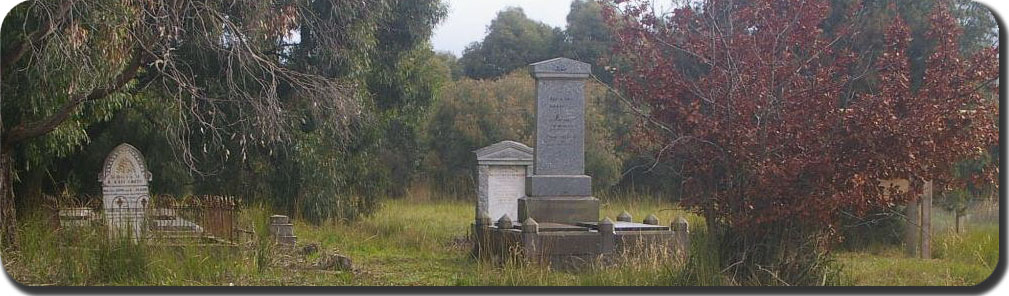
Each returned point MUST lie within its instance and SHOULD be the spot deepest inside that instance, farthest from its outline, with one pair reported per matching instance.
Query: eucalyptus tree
(227, 77)
(513, 41)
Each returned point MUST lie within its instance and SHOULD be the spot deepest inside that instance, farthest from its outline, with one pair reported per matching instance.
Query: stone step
(282, 229)
(279, 219)
(287, 240)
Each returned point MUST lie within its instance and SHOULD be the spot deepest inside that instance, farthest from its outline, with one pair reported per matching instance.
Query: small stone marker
(502, 169)
(76, 217)
(505, 222)
(125, 192)
(680, 224)
(282, 230)
(651, 220)
(607, 231)
(625, 217)
(681, 237)
(530, 225)
(559, 191)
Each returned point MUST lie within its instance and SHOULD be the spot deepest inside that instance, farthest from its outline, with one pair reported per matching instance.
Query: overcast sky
(467, 20)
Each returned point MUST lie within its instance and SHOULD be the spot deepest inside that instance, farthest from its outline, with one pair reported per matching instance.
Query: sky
(467, 20)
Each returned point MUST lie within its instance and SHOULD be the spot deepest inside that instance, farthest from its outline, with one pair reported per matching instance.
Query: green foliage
(588, 38)
(451, 62)
(322, 152)
(471, 114)
(513, 41)
(56, 75)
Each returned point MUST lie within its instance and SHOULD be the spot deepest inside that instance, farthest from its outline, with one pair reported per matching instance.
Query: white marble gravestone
(502, 169)
(125, 195)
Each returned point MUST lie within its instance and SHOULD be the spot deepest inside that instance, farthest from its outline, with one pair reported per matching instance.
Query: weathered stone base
(559, 209)
(282, 230)
(559, 185)
(571, 247)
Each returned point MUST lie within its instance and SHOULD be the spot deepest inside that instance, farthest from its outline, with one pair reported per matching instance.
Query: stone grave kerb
(558, 190)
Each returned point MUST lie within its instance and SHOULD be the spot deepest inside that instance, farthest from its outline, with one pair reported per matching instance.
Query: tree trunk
(8, 218)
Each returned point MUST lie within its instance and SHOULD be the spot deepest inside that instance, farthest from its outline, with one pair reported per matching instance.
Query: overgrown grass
(958, 259)
(87, 256)
(411, 242)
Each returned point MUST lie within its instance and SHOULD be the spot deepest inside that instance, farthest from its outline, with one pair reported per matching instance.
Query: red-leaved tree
(756, 103)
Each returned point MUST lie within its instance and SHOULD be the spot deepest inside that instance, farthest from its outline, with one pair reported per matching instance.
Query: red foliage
(755, 99)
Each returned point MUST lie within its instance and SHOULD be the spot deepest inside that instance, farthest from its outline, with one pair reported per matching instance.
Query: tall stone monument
(125, 195)
(559, 191)
(558, 219)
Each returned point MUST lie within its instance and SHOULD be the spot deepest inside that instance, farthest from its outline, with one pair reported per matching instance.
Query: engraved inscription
(560, 67)
(124, 191)
(560, 128)
(506, 184)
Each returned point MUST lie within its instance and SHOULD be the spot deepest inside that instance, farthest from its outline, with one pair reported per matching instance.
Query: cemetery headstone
(559, 191)
(558, 219)
(282, 230)
(502, 169)
(125, 192)
(76, 217)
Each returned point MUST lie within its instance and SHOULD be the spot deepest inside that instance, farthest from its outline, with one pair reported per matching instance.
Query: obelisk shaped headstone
(559, 191)
(125, 195)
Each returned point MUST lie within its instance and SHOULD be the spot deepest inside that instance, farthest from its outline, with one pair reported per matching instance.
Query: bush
(874, 229)
(780, 254)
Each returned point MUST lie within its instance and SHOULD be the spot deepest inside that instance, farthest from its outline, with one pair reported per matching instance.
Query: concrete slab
(625, 226)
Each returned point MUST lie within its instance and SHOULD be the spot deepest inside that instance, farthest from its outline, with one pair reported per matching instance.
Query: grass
(87, 256)
(958, 259)
(410, 242)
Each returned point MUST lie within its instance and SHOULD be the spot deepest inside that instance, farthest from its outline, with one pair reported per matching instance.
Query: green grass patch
(965, 259)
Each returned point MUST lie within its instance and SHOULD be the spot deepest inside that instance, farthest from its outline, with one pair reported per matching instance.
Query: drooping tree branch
(52, 23)
(30, 130)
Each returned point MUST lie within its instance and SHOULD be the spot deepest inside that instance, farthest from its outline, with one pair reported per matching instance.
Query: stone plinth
(570, 247)
(282, 230)
(559, 209)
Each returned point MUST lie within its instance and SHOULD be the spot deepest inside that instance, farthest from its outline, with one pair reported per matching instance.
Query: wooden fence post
(926, 221)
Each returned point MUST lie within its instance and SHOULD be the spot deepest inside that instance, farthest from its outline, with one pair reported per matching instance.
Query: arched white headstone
(125, 192)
